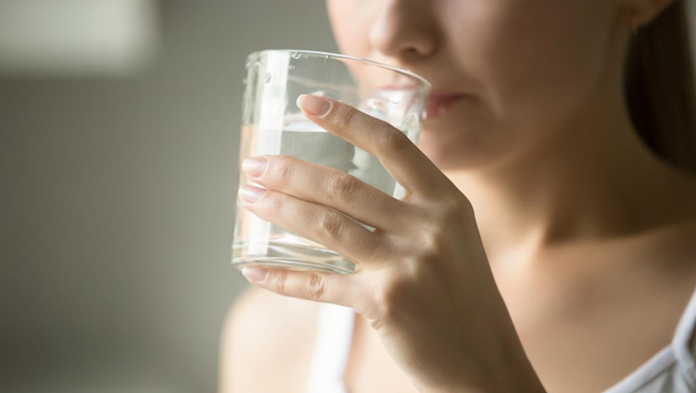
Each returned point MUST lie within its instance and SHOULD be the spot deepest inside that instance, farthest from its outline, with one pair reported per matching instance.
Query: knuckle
(280, 282)
(343, 187)
(331, 224)
(345, 116)
(378, 309)
(395, 141)
(282, 170)
(461, 207)
(316, 286)
(433, 242)
(451, 212)
(376, 313)
(275, 200)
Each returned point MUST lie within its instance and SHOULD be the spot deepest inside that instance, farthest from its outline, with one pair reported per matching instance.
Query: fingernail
(314, 105)
(251, 194)
(254, 166)
(254, 274)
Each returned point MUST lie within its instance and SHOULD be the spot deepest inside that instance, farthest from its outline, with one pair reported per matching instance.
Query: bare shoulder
(267, 342)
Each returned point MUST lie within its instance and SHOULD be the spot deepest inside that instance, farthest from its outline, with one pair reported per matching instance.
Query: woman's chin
(444, 155)
(451, 150)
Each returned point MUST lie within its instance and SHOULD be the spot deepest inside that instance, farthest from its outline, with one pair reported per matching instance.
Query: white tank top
(672, 370)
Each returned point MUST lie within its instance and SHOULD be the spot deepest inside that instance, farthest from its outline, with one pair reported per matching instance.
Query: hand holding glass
(272, 124)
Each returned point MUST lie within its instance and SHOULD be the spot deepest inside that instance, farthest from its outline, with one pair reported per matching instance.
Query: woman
(542, 247)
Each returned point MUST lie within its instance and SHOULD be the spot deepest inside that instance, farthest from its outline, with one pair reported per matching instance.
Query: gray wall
(116, 208)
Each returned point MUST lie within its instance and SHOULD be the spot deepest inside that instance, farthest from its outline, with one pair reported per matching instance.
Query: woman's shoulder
(266, 331)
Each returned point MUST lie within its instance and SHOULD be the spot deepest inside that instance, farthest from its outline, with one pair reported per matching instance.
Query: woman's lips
(438, 103)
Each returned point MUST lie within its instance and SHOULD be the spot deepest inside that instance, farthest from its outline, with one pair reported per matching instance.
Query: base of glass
(291, 256)
(272, 262)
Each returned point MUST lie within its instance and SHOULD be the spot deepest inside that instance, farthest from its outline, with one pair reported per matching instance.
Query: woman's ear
(639, 13)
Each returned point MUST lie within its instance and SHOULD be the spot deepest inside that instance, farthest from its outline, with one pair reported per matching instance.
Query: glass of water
(272, 124)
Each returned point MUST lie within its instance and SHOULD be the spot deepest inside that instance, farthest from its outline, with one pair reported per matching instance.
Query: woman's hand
(422, 279)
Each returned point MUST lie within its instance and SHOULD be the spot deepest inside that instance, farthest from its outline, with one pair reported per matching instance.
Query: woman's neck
(594, 179)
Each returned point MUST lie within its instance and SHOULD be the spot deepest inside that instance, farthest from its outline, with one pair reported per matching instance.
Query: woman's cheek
(350, 22)
(533, 54)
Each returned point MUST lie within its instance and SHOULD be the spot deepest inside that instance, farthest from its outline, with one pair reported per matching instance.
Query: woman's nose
(404, 29)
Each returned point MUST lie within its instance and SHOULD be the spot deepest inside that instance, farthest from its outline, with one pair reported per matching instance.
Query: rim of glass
(352, 58)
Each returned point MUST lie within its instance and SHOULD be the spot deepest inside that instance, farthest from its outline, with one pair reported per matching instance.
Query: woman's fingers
(330, 187)
(400, 157)
(342, 289)
(317, 223)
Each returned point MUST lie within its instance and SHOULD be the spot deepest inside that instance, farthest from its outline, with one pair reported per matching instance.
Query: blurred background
(118, 149)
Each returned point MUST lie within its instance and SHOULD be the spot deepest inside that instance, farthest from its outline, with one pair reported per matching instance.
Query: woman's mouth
(438, 103)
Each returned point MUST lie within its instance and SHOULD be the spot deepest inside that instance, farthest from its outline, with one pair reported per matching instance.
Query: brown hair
(660, 89)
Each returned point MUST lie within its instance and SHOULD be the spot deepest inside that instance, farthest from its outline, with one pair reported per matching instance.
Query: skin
(533, 214)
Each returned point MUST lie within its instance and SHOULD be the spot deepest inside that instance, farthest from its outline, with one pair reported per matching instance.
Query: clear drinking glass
(272, 124)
